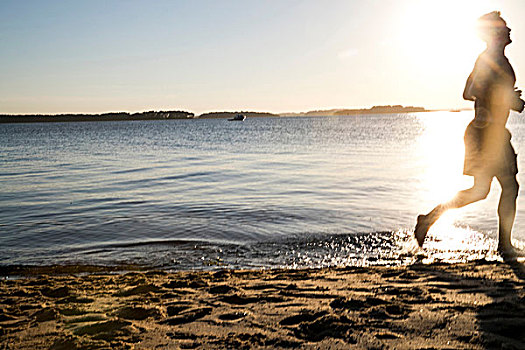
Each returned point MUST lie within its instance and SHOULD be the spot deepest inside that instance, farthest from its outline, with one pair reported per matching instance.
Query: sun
(441, 34)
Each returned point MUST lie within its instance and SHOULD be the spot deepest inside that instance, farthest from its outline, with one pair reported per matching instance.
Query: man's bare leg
(506, 215)
(477, 192)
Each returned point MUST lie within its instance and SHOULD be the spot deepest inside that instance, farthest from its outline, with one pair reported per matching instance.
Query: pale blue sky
(278, 56)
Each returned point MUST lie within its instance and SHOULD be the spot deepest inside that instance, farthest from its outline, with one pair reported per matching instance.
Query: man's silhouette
(488, 151)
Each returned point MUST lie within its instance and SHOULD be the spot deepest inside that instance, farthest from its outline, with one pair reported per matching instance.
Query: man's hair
(488, 25)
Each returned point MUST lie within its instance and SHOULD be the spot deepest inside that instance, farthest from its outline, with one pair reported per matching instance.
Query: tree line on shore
(162, 115)
(114, 116)
(373, 110)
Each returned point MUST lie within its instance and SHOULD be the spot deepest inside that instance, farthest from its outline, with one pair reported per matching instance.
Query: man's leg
(507, 210)
(477, 192)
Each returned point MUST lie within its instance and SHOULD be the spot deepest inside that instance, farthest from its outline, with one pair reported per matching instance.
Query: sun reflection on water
(441, 151)
(452, 243)
(440, 147)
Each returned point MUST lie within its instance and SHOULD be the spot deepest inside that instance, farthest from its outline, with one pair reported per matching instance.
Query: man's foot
(511, 252)
(422, 227)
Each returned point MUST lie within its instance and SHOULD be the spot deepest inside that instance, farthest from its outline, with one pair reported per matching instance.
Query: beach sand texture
(475, 305)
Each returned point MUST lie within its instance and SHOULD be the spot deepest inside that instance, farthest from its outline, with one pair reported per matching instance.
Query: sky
(275, 55)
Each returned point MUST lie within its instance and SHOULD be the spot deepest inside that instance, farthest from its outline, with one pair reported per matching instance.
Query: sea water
(266, 192)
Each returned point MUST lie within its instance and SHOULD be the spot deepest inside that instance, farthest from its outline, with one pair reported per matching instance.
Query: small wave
(130, 171)
(309, 251)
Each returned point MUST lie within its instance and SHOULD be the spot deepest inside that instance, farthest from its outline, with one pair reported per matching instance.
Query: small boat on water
(238, 117)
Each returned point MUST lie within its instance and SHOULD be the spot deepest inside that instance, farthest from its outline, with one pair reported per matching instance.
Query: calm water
(260, 193)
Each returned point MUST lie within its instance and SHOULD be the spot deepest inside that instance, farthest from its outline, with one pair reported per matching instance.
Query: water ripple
(263, 193)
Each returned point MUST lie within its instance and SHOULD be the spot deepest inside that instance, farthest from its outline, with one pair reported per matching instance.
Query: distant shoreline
(349, 112)
(165, 115)
(117, 116)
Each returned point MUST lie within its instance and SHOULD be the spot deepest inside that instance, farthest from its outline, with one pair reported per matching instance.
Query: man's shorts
(488, 151)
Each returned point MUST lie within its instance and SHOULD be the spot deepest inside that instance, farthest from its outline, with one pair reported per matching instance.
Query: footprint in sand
(108, 330)
(234, 316)
(45, 314)
(332, 326)
(138, 290)
(356, 304)
(188, 316)
(221, 289)
(87, 318)
(243, 300)
(137, 313)
(176, 308)
(189, 283)
(60, 292)
(305, 316)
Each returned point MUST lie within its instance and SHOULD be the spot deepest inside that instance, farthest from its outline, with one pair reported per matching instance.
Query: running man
(488, 151)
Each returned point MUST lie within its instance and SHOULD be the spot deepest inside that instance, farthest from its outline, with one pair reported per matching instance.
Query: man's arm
(518, 104)
(479, 81)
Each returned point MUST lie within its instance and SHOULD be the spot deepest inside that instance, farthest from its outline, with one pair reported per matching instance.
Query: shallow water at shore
(267, 192)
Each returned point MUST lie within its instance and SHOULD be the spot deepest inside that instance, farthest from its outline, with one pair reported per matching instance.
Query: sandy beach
(475, 305)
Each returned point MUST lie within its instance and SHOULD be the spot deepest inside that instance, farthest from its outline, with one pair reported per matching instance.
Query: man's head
(493, 29)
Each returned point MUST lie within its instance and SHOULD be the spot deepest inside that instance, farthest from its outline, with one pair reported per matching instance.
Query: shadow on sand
(496, 299)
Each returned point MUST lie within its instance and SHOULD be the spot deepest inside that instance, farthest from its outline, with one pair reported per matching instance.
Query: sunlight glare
(435, 34)
(442, 150)
(452, 243)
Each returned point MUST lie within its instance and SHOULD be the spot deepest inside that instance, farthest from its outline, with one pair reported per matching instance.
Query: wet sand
(476, 305)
